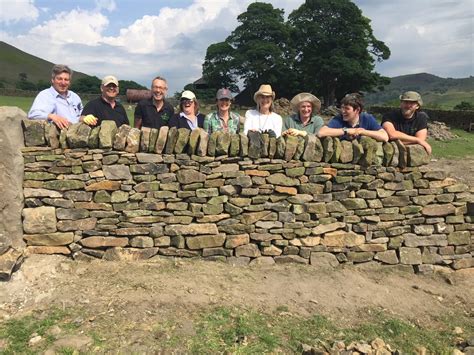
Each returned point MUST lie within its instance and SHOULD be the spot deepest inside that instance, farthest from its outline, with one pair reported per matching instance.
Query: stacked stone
(257, 205)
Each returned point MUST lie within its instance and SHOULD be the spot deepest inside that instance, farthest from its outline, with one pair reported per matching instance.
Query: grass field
(232, 330)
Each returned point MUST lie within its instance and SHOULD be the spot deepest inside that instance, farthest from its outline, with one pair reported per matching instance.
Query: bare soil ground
(460, 169)
(124, 301)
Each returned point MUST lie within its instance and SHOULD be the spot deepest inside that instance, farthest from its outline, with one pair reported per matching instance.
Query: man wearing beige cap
(408, 124)
(105, 107)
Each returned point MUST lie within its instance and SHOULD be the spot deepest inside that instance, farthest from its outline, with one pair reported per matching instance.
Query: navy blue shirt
(366, 121)
(179, 120)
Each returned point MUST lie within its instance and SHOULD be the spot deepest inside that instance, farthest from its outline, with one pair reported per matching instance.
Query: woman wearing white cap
(188, 116)
(263, 119)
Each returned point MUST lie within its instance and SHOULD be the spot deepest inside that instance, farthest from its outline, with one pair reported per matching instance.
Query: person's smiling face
(61, 82)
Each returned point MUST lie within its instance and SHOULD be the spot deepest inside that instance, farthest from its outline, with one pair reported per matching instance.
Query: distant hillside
(437, 92)
(14, 61)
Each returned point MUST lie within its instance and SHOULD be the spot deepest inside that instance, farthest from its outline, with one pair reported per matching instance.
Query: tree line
(84, 85)
(326, 47)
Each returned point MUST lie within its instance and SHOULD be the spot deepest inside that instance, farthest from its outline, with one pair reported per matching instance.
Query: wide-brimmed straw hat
(264, 90)
(305, 97)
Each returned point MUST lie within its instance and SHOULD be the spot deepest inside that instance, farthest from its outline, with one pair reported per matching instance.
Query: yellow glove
(90, 120)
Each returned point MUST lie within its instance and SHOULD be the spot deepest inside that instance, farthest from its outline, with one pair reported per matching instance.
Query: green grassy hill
(14, 61)
(437, 92)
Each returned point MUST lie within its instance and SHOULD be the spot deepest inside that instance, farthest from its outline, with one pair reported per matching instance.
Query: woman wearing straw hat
(305, 120)
(263, 119)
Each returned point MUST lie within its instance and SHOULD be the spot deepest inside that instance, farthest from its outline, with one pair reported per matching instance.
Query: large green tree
(336, 48)
(256, 52)
(326, 47)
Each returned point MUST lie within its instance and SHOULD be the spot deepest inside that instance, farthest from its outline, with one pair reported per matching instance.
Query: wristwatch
(345, 130)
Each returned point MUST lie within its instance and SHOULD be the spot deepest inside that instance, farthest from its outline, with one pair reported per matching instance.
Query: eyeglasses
(163, 88)
(187, 102)
(111, 87)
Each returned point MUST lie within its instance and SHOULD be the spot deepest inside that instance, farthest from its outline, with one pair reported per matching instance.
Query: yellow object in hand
(90, 120)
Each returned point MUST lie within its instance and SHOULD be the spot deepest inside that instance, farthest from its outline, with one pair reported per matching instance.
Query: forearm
(379, 135)
(405, 138)
(330, 132)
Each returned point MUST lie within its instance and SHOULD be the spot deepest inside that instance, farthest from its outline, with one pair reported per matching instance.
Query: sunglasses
(187, 101)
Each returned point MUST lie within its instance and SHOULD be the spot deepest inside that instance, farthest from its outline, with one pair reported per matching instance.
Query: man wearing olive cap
(408, 124)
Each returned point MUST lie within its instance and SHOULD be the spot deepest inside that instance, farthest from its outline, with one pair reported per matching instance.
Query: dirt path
(460, 169)
(176, 286)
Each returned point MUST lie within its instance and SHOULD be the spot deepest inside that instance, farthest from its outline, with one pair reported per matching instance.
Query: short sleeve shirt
(418, 122)
(213, 123)
(366, 121)
(293, 121)
(104, 111)
(146, 110)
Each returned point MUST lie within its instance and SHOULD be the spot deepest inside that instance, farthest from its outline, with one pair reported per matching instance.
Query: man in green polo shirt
(305, 119)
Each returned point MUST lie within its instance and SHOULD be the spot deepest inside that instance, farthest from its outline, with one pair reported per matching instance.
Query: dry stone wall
(128, 194)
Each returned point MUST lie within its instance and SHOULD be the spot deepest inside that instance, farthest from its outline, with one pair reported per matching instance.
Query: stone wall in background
(128, 194)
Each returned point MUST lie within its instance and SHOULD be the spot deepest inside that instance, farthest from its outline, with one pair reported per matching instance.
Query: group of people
(60, 105)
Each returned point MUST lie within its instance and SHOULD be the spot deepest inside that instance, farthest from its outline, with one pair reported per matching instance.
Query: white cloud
(430, 35)
(76, 26)
(108, 5)
(12, 11)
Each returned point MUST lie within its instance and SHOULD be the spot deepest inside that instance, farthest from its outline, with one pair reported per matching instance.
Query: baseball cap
(223, 94)
(189, 95)
(110, 79)
(411, 96)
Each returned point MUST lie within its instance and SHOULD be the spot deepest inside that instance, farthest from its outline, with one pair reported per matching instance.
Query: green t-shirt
(312, 127)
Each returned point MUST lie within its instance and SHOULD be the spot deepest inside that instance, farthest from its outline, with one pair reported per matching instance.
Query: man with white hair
(57, 104)
(408, 124)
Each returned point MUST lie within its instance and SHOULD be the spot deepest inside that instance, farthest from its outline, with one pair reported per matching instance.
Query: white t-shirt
(255, 120)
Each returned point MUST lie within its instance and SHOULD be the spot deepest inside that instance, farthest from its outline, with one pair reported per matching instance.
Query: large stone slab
(78, 135)
(33, 130)
(9, 261)
(107, 132)
(417, 155)
(223, 144)
(39, 220)
(205, 241)
(133, 140)
(120, 139)
(313, 150)
(342, 239)
(322, 259)
(129, 254)
(103, 242)
(181, 140)
(191, 229)
(255, 144)
(117, 172)
(49, 238)
(161, 140)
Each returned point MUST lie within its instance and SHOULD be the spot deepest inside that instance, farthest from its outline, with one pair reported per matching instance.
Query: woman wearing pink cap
(223, 119)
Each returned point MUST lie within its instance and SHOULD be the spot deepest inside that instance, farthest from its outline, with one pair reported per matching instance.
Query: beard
(407, 112)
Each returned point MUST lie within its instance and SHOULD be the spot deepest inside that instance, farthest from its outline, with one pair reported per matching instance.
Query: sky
(138, 40)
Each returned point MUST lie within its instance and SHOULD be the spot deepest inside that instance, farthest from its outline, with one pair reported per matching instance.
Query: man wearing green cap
(408, 124)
